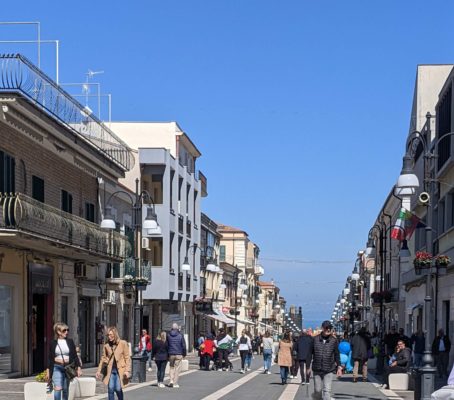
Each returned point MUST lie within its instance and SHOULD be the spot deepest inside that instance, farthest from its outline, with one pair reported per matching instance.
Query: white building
(167, 170)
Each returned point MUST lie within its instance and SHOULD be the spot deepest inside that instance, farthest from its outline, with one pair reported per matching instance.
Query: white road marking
(229, 388)
(290, 391)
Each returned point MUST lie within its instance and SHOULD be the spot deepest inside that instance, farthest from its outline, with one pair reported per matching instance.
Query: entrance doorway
(85, 329)
(40, 306)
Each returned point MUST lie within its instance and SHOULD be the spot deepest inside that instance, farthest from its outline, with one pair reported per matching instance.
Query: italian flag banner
(405, 225)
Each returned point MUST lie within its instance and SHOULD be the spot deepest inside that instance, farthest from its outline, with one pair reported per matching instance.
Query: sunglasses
(65, 330)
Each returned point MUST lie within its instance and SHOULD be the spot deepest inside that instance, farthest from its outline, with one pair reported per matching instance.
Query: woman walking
(62, 352)
(267, 348)
(244, 345)
(117, 364)
(145, 347)
(250, 353)
(284, 356)
(160, 354)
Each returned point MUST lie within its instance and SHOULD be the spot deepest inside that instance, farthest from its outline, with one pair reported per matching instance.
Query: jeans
(267, 355)
(114, 386)
(175, 368)
(223, 358)
(243, 355)
(59, 381)
(442, 361)
(322, 386)
(417, 359)
(284, 373)
(161, 369)
(392, 370)
(206, 358)
(249, 359)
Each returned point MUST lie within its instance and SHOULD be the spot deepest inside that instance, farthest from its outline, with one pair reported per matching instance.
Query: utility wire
(299, 261)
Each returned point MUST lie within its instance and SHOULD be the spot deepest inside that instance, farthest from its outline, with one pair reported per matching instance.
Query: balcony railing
(18, 74)
(24, 214)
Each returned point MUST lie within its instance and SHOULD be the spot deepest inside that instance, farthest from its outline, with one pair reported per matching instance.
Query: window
(90, 212)
(38, 189)
(64, 308)
(7, 173)
(221, 253)
(66, 202)
(444, 127)
(154, 255)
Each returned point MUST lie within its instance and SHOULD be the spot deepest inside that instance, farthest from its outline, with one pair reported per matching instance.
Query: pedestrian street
(232, 385)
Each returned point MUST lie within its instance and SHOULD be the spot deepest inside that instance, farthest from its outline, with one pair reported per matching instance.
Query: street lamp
(150, 224)
(209, 254)
(408, 183)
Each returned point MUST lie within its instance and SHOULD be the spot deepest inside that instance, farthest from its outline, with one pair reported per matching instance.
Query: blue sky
(300, 108)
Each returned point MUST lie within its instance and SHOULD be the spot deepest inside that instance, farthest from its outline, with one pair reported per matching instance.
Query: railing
(28, 215)
(17, 73)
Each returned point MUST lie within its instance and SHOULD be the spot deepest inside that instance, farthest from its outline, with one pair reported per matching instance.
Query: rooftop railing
(18, 74)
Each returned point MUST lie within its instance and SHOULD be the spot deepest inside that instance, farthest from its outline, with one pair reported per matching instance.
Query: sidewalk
(13, 388)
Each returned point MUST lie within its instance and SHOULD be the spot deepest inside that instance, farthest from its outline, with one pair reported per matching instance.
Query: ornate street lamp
(150, 224)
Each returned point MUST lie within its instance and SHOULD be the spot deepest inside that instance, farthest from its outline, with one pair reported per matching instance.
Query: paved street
(213, 385)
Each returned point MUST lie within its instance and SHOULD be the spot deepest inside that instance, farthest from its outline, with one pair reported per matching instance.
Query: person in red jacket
(206, 350)
(145, 346)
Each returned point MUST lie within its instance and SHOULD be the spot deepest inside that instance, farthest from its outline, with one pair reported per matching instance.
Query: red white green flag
(405, 225)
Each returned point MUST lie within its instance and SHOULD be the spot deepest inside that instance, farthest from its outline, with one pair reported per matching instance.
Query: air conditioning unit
(145, 243)
(111, 297)
(80, 270)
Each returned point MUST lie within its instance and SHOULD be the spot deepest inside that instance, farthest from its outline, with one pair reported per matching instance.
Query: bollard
(139, 368)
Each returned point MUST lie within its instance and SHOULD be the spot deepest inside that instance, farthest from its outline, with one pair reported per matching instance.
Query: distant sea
(312, 323)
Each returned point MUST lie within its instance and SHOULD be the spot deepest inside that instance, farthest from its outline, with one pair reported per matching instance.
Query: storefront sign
(203, 306)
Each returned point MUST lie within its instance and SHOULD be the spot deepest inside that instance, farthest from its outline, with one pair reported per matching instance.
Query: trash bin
(415, 378)
(139, 368)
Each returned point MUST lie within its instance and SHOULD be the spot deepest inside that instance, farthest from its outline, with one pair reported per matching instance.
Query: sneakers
(242, 371)
(176, 385)
(161, 385)
(268, 372)
(248, 369)
(265, 371)
(171, 384)
(290, 376)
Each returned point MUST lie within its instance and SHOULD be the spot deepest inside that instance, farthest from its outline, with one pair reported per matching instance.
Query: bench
(84, 386)
(398, 381)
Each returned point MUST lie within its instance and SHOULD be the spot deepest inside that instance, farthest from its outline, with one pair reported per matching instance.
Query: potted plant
(128, 283)
(141, 283)
(422, 261)
(387, 296)
(376, 297)
(441, 262)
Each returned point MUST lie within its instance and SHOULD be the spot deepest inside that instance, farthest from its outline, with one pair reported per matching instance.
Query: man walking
(325, 362)
(360, 346)
(441, 347)
(303, 349)
(177, 351)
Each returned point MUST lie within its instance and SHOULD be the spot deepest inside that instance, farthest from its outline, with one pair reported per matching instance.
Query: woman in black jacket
(62, 352)
(159, 351)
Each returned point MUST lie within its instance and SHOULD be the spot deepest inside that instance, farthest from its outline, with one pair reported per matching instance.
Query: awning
(245, 321)
(220, 317)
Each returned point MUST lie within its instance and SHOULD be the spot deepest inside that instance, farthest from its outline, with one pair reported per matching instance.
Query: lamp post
(151, 225)
(238, 282)
(209, 254)
(407, 184)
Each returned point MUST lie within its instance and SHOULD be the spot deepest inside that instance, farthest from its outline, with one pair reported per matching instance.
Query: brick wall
(33, 159)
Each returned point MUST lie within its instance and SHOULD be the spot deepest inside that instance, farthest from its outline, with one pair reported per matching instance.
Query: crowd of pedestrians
(321, 356)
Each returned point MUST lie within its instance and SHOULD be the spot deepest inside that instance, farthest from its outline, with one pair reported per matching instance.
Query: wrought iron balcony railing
(18, 74)
(128, 267)
(24, 214)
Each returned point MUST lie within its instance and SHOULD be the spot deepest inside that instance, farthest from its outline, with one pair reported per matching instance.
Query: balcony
(250, 265)
(30, 224)
(258, 270)
(19, 75)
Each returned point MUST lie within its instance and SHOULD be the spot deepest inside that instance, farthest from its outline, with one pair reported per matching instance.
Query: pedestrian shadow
(354, 396)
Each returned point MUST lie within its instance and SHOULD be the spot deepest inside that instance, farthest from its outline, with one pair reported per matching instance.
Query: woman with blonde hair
(116, 363)
(62, 352)
(160, 353)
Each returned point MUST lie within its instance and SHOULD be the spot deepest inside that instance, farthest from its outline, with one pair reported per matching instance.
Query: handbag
(70, 369)
(276, 358)
(106, 364)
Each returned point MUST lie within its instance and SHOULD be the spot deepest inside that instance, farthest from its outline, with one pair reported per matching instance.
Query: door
(6, 299)
(40, 315)
(85, 328)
